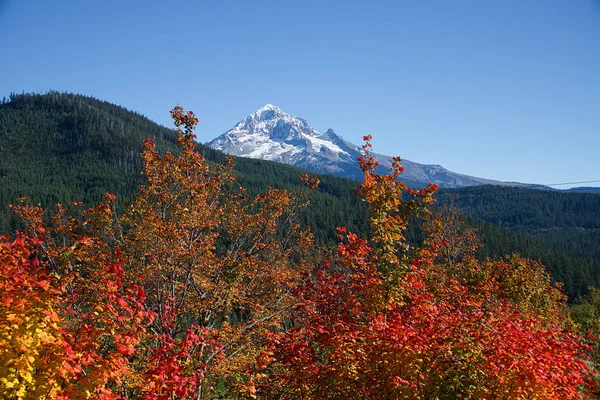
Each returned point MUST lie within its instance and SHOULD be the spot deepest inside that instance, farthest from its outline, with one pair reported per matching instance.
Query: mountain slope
(271, 134)
(61, 147)
(584, 189)
(559, 227)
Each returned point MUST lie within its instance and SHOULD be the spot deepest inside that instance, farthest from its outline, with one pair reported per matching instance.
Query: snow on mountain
(270, 134)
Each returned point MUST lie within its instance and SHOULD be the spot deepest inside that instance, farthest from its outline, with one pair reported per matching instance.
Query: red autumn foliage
(197, 291)
(387, 321)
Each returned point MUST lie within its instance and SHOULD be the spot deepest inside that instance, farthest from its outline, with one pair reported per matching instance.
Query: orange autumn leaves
(384, 320)
(171, 299)
(197, 291)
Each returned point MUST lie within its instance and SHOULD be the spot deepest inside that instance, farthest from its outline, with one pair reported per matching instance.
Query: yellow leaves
(22, 351)
(30, 337)
(12, 318)
(389, 213)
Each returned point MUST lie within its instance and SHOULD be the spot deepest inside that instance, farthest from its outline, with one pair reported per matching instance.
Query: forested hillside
(585, 189)
(560, 228)
(64, 147)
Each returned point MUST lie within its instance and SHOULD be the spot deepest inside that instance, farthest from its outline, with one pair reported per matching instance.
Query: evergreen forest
(61, 147)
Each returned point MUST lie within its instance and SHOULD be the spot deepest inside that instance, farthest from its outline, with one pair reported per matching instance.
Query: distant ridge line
(570, 183)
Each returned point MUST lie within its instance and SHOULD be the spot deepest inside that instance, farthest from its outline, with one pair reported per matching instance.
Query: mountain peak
(271, 134)
(269, 107)
(268, 111)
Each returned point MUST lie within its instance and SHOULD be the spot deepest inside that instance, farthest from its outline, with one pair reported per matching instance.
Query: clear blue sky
(507, 89)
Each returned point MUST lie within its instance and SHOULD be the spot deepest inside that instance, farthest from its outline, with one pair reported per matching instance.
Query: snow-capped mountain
(271, 134)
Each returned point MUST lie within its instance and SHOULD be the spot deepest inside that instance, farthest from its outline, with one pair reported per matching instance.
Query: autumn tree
(383, 320)
(69, 323)
(585, 313)
(172, 299)
(30, 332)
(219, 269)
